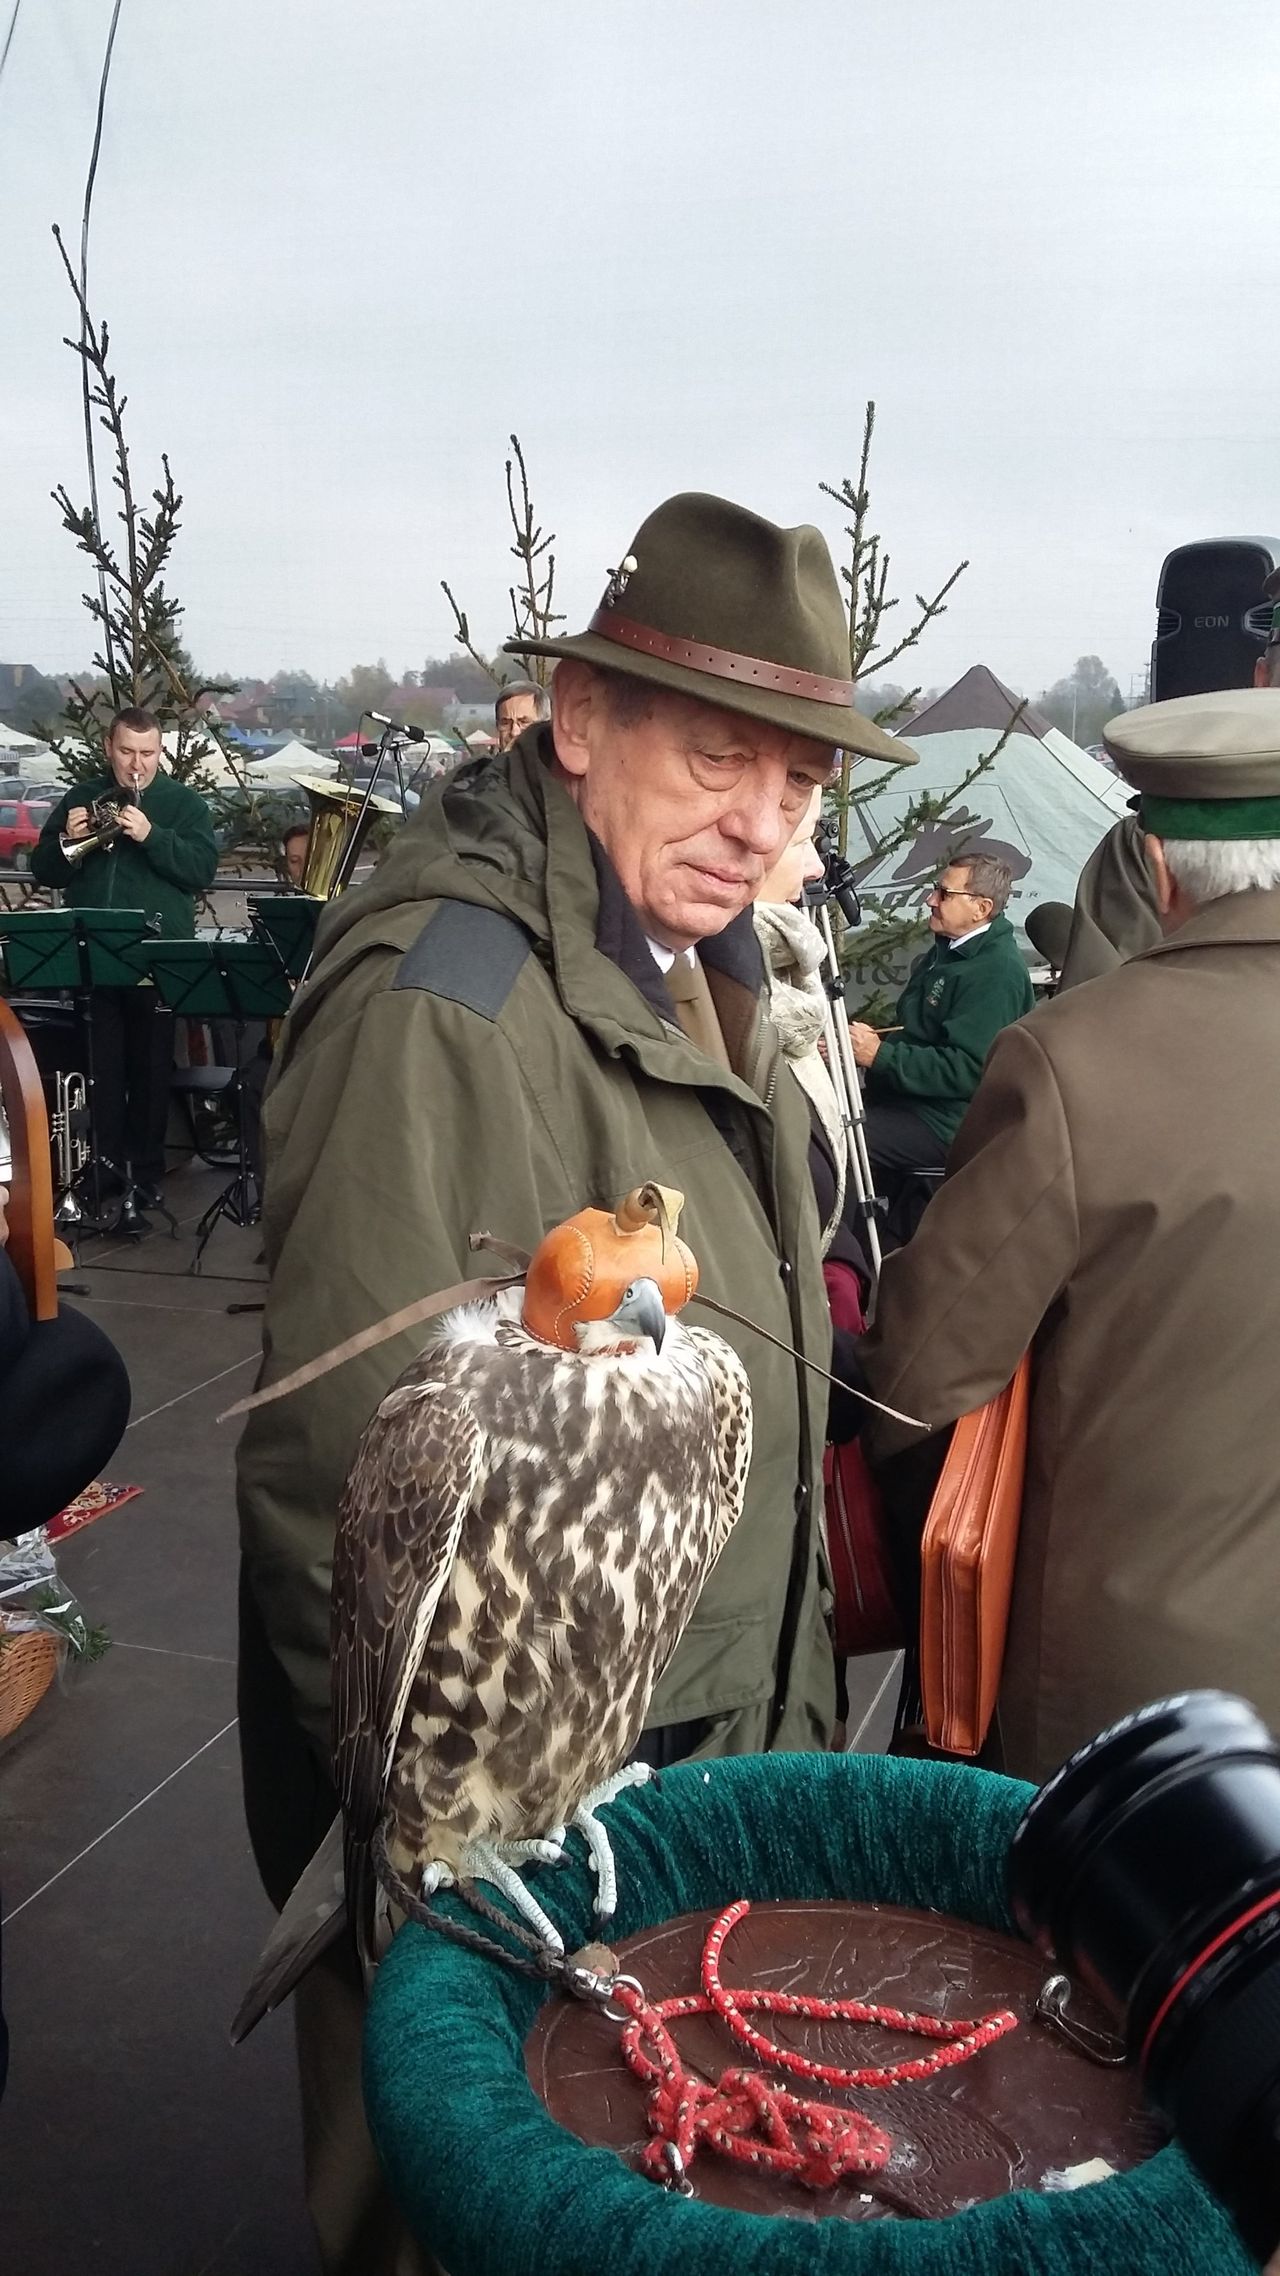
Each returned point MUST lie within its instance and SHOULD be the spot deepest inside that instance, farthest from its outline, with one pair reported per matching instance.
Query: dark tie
(694, 1008)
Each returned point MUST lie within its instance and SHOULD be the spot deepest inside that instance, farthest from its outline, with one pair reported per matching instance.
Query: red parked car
(20, 825)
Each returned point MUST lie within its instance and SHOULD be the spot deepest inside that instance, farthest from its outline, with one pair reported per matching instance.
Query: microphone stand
(392, 744)
(838, 885)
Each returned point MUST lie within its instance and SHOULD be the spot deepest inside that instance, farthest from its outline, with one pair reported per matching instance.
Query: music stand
(235, 980)
(80, 950)
(287, 921)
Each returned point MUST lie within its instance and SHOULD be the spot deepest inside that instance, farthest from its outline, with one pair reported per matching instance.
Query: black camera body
(1148, 1868)
(838, 882)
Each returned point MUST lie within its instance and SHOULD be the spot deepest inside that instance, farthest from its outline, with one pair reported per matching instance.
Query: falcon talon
(599, 1850)
(487, 1861)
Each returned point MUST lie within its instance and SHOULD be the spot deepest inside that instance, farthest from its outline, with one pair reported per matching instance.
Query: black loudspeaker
(1213, 617)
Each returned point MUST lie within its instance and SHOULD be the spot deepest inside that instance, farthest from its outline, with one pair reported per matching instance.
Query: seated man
(291, 867)
(961, 992)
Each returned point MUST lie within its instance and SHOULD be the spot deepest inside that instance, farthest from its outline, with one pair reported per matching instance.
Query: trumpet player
(161, 856)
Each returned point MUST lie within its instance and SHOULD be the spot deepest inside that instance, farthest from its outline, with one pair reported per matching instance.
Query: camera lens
(1149, 1869)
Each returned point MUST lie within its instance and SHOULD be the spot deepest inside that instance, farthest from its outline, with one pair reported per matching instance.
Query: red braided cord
(961, 2040)
(748, 2118)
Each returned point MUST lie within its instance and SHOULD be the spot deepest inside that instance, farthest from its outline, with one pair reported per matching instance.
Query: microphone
(380, 719)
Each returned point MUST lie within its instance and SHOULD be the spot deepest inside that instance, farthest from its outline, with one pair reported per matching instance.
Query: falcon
(527, 1524)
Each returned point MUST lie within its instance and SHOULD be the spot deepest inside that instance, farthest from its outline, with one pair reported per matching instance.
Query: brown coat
(1114, 1194)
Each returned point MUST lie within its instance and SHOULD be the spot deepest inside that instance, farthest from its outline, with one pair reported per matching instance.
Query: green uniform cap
(1207, 766)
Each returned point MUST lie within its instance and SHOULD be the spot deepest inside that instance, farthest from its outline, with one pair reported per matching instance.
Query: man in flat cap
(550, 991)
(1112, 1203)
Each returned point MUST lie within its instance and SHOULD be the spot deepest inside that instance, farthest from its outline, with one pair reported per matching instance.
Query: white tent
(1042, 806)
(13, 740)
(285, 765)
(212, 760)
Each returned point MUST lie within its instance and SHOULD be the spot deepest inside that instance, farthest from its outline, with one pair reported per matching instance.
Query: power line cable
(91, 177)
(8, 37)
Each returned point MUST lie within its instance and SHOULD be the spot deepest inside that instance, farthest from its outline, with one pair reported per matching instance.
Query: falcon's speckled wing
(408, 1493)
(731, 1405)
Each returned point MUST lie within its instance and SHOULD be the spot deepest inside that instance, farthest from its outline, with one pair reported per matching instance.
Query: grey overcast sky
(344, 250)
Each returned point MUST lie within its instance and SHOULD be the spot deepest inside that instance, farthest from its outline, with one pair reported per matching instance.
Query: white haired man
(552, 988)
(1115, 912)
(1112, 1204)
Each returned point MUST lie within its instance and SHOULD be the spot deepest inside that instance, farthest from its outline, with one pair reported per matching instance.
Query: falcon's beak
(642, 1313)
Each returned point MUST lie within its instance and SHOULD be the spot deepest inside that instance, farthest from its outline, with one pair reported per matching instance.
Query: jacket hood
(479, 836)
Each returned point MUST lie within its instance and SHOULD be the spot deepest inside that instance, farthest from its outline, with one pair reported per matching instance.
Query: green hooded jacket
(952, 1009)
(401, 1118)
(161, 876)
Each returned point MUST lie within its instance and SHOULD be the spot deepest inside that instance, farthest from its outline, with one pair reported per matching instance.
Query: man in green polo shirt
(972, 982)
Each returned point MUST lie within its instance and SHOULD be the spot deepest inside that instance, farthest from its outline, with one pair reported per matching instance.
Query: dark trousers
(132, 1065)
(899, 1142)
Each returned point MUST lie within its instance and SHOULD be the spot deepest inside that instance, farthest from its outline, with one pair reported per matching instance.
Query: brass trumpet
(104, 824)
(104, 828)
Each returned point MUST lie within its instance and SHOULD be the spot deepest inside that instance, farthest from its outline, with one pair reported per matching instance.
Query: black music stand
(235, 980)
(84, 949)
(287, 921)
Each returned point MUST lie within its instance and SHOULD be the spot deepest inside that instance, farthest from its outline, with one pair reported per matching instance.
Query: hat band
(722, 663)
(1211, 817)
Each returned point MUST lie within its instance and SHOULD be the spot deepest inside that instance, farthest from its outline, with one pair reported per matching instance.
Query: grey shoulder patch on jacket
(468, 955)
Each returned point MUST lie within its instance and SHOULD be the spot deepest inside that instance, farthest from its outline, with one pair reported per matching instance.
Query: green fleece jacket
(951, 1011)
(400, 1120)
(161, 875)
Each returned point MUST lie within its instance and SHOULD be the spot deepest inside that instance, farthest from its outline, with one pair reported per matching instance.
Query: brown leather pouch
(967, 1556)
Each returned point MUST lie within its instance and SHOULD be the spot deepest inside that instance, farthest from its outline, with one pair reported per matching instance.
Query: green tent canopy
(1042, 807)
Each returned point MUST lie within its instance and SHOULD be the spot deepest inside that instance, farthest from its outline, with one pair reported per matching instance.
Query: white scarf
(793, 953)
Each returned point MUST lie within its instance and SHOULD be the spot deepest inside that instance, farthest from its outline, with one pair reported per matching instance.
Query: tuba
(341, 820)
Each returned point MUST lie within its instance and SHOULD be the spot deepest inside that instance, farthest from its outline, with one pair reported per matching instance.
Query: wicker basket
(28, 1665)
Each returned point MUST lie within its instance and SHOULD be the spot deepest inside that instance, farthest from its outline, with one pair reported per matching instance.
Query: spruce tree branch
(929, 612)
(463, 633)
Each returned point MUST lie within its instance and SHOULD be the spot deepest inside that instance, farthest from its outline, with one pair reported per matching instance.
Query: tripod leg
(844, 1075)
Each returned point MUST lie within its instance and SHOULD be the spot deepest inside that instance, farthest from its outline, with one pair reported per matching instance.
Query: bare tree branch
(463, 631)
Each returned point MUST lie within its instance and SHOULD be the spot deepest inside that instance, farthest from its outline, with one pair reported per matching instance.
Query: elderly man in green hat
(550, 991)
(1112, 1204)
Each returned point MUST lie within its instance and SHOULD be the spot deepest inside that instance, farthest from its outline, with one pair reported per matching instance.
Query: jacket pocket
(719, 1665)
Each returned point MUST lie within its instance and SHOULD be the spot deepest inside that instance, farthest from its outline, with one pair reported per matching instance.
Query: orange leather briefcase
(968, 1554)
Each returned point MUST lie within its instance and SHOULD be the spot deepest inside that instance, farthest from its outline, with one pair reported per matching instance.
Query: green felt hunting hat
(715, 602)
(1205, 766)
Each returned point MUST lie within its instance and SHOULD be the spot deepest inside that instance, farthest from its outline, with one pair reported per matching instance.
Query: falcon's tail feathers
(312, 1920)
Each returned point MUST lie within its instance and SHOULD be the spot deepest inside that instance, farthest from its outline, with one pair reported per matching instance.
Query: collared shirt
(663, 956)
(961, 938)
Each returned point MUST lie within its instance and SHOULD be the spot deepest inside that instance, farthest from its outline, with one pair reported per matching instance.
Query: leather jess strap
(722, 663)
